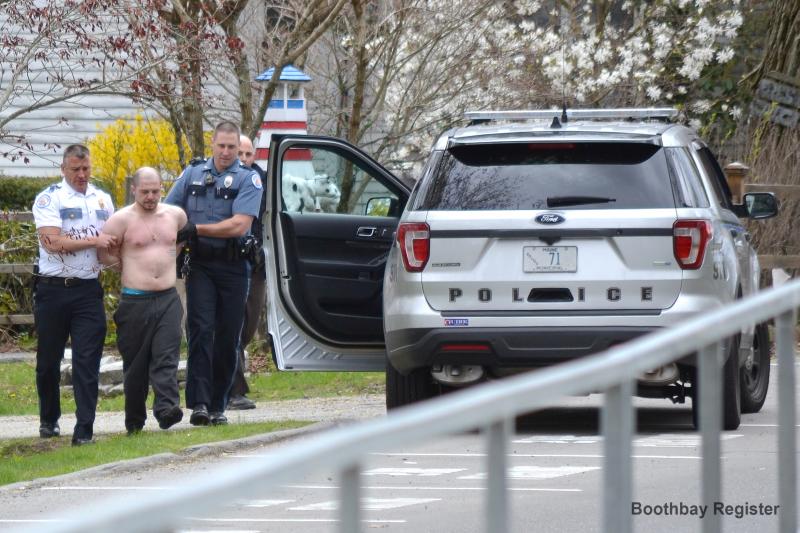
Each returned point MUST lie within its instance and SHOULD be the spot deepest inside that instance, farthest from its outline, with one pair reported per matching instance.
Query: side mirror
(760, 205)
(382, 206)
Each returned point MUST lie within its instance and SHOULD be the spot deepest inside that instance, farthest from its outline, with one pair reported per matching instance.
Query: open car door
(331, 217)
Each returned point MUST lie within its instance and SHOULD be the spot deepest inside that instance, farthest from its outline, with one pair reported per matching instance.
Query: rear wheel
(755, 375)
(731, 390)
(403, 390)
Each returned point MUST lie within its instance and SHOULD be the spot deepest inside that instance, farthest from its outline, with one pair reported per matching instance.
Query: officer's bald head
(247, 154)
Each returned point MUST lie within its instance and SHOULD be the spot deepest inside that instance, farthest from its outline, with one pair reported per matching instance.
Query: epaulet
(197, 161)
(54, 187)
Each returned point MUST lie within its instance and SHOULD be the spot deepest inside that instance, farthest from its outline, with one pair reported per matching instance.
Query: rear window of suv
(551, 175)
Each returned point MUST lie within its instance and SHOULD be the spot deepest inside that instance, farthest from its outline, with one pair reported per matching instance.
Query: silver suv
(530, 238)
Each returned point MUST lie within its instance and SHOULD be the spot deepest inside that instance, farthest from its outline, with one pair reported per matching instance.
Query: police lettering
(613, 294)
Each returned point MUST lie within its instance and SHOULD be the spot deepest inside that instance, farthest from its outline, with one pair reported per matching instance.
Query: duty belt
(65, 282)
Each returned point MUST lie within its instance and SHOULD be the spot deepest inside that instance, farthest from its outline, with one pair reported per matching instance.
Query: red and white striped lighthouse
(286, 113)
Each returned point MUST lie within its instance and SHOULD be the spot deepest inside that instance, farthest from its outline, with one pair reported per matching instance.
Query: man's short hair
(141, 172)
(226, 126)
(76, 150)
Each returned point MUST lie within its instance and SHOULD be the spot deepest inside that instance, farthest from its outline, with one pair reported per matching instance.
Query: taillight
(414, 239)
(689, 241)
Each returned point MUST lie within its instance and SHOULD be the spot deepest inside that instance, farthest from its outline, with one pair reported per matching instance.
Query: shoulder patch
(43, 200)
(256, 180)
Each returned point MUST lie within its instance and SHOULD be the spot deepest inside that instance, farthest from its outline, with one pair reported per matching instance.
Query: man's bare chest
(154, 231)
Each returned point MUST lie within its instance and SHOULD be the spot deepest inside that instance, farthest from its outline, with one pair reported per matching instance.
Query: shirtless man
(149, 315)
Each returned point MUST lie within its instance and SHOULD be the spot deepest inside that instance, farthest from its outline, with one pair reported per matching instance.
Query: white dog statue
(326, 192)
(298, 195)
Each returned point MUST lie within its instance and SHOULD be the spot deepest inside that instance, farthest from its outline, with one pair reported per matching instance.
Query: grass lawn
(18, 388)
(31, 458)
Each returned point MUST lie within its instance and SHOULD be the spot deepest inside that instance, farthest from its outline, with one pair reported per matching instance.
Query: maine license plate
(550, 258)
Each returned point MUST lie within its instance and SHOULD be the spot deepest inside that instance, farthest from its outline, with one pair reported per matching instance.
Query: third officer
(221, 197)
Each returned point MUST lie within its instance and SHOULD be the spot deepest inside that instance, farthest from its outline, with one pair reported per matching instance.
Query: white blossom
(725, 55)
(653, 92)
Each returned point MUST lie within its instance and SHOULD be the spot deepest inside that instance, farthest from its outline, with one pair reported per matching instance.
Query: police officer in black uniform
(221, 197)
(256, 296)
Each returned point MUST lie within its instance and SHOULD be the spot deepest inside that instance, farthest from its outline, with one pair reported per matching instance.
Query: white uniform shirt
(79, 216)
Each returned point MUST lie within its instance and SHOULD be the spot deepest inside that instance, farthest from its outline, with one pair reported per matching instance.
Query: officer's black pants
(75, 312)
(216, 291)
(149, 339)
(256, 298)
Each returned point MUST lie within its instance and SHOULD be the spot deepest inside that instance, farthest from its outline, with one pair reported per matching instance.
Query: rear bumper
(525, 347)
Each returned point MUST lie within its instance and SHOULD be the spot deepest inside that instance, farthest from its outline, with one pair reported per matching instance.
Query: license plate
(550, 258)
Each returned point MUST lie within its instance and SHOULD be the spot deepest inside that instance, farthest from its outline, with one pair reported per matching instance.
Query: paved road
(554, 467)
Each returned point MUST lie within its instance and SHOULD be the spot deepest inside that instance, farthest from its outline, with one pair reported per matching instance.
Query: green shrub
(17, 194)
(19, 245)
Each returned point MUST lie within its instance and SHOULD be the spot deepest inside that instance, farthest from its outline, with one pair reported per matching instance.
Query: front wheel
(403, 390)
(755, 374)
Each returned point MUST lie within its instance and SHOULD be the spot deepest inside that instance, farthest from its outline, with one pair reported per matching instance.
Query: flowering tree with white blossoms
(452, 57)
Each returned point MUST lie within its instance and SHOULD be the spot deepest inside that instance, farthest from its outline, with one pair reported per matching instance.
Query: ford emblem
(549, 218)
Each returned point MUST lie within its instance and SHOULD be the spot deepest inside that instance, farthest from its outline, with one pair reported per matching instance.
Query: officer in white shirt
(68, 299)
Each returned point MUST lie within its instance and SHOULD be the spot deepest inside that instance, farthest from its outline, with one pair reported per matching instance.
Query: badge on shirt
(228, 181)
(256, 181)
(43, 201)
(101, 203)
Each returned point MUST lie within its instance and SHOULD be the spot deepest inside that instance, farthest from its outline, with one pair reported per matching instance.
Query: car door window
(688, 180)
(719, 183)
(327, 180)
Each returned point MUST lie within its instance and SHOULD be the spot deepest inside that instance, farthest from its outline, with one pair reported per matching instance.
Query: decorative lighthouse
(286, 113)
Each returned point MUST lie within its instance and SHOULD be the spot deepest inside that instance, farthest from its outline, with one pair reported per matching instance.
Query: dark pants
(216, 291)
(75, 312)
(252, 315)
(149, 339)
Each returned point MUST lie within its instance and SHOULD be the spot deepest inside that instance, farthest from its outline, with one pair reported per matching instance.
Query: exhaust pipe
(457, 375)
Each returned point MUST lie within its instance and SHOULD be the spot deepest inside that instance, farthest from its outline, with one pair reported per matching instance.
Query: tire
(403, 390)
(755, 381)
(731, 391)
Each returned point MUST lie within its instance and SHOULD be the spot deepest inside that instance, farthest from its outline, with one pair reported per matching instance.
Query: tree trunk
(782, 50)
(348, 200)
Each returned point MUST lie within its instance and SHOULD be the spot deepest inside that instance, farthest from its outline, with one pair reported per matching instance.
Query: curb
(198, 451)
(17, 357)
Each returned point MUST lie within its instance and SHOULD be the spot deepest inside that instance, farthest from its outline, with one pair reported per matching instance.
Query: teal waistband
(136, 292)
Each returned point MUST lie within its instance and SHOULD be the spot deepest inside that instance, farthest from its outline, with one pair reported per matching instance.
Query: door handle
(366, 231)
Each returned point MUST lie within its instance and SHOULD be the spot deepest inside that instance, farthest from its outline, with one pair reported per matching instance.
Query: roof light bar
(619, 113)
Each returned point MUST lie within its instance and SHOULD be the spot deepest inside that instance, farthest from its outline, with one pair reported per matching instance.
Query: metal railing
(493, 407)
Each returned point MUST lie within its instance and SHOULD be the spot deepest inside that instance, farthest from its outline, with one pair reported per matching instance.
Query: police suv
(531, 238)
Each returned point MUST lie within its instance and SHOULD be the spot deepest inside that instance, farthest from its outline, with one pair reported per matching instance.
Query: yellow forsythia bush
(121, 148)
